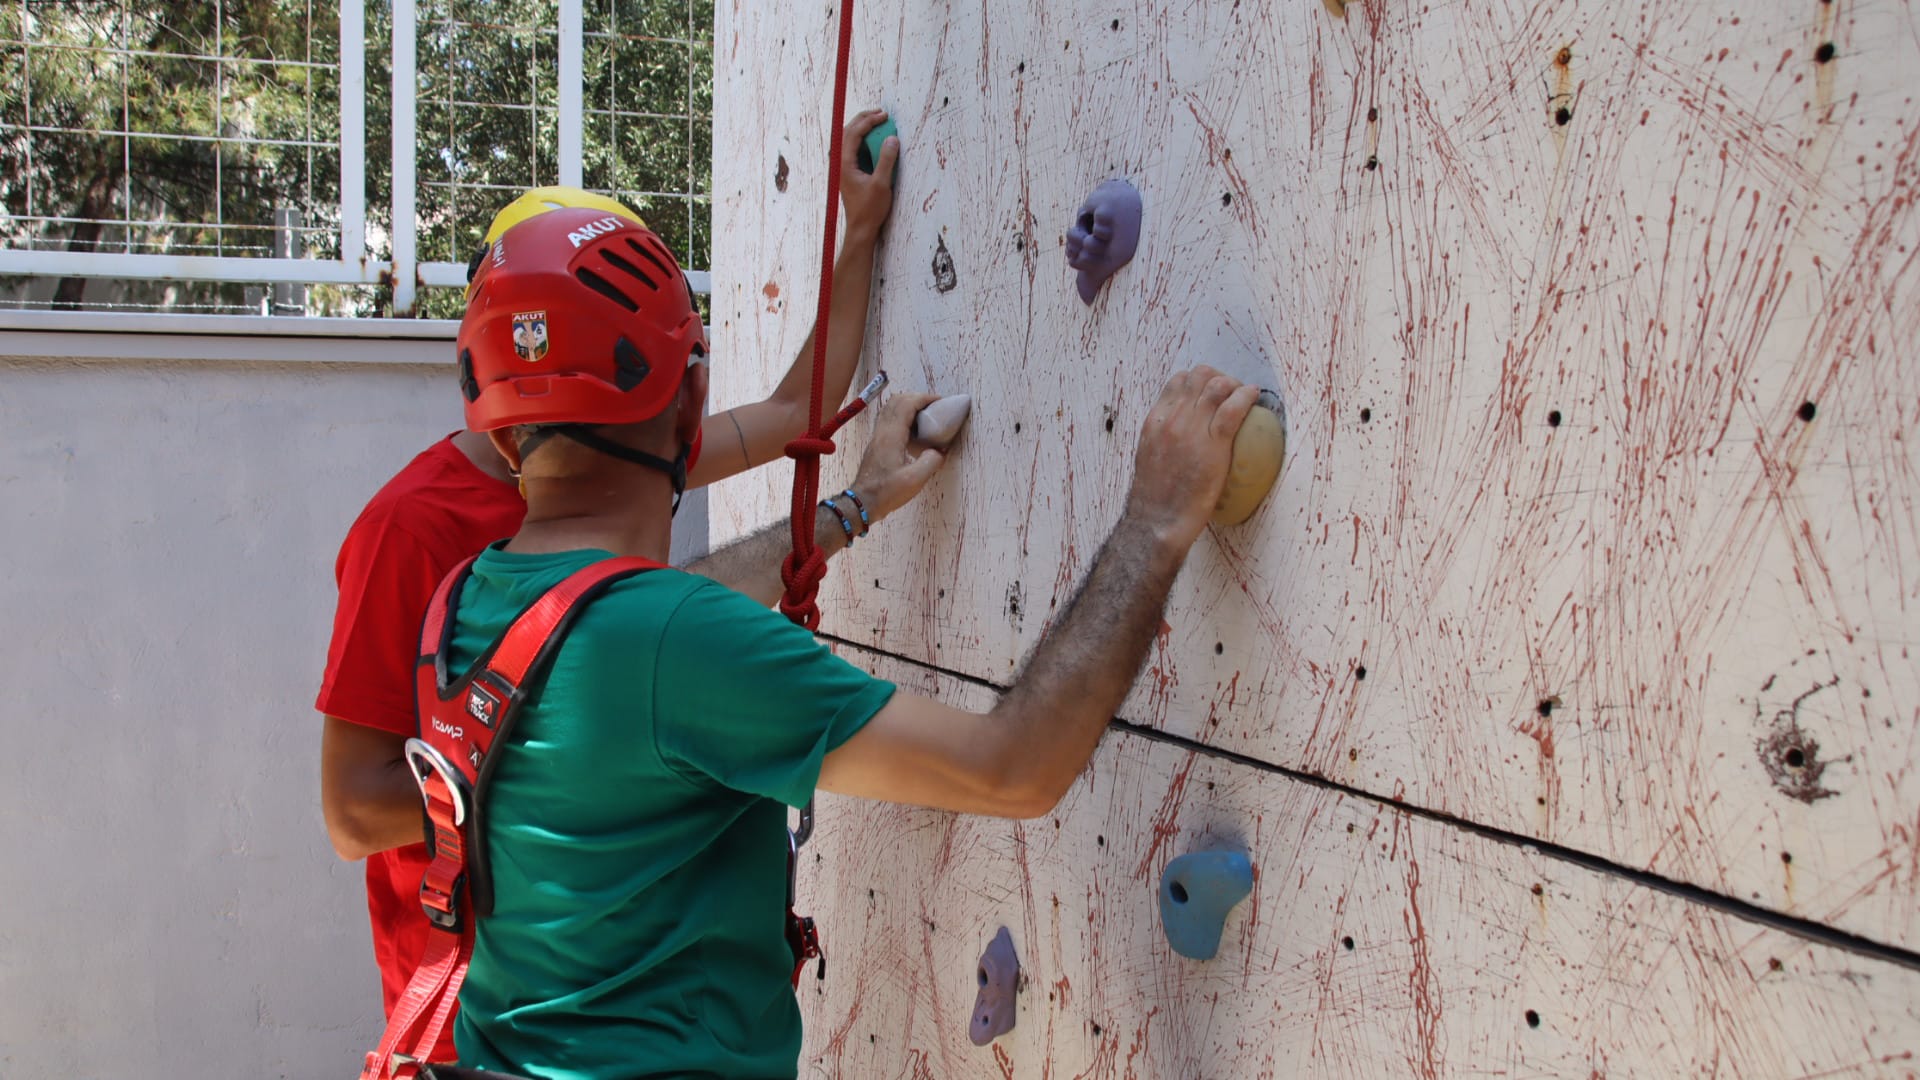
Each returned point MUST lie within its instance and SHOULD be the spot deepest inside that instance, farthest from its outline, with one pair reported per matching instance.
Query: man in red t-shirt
(456, 498)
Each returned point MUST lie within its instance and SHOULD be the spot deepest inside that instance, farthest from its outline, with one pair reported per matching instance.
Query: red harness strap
(460, 722)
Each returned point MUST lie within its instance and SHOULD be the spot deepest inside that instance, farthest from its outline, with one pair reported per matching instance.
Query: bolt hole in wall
(1824, 53)
(1563, 116)
(1366, 416)
(1348, 942)
(1807, 410)
(1553, 418)
(1797, 758)
(1533, 1019)
(1360, 672)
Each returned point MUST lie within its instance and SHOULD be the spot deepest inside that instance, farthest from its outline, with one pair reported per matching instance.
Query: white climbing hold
(939, 424)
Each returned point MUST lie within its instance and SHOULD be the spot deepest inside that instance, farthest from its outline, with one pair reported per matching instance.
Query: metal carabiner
(425, 761)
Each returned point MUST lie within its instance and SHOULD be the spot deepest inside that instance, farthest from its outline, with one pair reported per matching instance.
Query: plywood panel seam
(1811, 930)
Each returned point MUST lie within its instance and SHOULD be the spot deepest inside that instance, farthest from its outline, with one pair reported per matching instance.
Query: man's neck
(479, 450)
(623, 509)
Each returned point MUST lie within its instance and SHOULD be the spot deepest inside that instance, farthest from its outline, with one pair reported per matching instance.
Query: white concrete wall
(169, 905)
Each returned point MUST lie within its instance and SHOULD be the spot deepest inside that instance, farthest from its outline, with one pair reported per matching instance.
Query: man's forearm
(751, 566)
(367, 794)
(846, 332)
(1086, 663)
(385, 817)
(750, 435)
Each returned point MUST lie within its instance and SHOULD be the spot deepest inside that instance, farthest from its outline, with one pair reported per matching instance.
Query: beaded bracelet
(866, 523)
(845, 525)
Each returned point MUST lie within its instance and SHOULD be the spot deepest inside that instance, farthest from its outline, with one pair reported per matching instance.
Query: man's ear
(693, 402)
(508, 449)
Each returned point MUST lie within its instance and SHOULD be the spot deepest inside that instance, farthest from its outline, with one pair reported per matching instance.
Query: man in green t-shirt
(637, 815)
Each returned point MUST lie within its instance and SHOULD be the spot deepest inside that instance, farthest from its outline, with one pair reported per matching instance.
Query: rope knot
(802, 577)
(810, 446)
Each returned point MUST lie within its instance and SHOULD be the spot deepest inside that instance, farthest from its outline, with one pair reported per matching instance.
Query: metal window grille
(220, 156)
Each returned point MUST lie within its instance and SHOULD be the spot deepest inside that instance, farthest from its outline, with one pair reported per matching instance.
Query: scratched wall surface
(1603, 514)
(1375, 944)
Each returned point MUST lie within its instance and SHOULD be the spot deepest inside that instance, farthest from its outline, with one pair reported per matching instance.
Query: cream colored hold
(939, 424)
(1259, 449)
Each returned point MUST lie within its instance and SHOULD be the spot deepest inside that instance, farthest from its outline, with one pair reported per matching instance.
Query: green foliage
(164, 120)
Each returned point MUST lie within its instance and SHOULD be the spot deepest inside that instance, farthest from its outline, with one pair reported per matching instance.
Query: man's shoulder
(679, 602)
(439, 499)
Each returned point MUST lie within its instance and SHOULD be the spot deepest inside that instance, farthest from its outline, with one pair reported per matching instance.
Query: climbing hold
(1337, 8)
(999, 975)
(939, 423)
(1259, 449)
(1196, 892)
(1104, 235)
(867, 154)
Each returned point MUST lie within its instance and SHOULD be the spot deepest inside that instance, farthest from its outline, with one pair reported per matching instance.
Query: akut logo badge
(592, 229)
(530, 335)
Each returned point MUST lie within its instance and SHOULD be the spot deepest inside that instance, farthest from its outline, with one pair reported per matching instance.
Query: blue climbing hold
(1196, 893)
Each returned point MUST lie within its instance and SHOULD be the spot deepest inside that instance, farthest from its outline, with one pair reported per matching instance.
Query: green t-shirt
(637, 828)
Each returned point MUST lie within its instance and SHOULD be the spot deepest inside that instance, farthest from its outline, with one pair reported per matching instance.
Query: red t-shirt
(435, 512)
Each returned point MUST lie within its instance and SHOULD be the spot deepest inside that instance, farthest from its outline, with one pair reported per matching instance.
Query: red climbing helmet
(577, 316)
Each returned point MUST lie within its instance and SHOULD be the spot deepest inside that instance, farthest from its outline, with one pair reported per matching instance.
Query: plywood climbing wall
(1601, 533)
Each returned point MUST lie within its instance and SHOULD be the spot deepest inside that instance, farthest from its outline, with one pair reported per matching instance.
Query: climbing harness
(460, 723)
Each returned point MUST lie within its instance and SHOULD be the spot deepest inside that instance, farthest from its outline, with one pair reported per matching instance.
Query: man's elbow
(1025, 793)
(350, 833)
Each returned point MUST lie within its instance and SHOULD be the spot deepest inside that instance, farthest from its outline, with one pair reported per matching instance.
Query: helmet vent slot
(630, 369)
(469, 387)
(605, 288)
(649, 256)
(623, 264)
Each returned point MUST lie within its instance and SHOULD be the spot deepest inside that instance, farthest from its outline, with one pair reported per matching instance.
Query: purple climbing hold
(1104, 235)
(999, 975)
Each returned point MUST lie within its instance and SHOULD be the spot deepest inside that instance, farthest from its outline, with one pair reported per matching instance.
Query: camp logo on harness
(451, 730)
(592, 229)
(530, 335)
(481, 705)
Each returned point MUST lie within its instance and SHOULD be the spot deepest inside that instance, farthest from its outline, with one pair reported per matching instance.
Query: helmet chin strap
(676, 469)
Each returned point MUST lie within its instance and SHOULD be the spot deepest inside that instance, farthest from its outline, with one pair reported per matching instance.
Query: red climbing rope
(806, 565)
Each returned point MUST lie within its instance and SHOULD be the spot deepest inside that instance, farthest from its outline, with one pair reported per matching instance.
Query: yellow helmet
(556, 197)
(537, 202)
